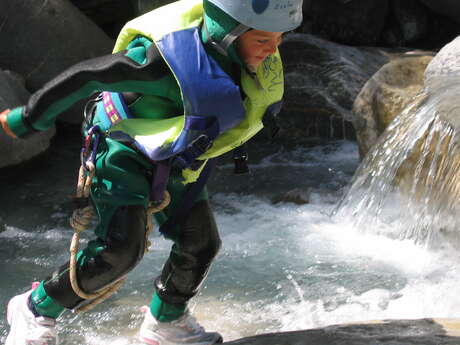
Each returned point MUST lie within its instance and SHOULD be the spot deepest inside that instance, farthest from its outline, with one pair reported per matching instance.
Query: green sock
(44, 304)
(165, 312)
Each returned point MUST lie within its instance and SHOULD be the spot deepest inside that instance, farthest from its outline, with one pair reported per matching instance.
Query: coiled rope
(80, 221)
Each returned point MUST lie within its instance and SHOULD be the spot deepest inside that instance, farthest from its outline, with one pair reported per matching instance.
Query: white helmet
(265, 15)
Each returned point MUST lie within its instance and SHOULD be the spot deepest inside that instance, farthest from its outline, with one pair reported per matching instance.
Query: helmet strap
(222, 46)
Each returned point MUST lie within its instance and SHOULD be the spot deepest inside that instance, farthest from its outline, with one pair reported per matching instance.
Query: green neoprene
(165, 312)
(219, 24)
(15, 122)
(121, 179)
(44, 304)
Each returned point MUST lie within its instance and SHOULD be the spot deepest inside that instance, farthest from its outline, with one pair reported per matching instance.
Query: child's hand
(4, 123)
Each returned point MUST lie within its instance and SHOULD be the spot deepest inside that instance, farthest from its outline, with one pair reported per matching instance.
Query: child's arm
(131, 70)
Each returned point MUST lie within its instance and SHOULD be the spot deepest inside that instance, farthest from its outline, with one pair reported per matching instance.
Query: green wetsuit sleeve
(132, 70)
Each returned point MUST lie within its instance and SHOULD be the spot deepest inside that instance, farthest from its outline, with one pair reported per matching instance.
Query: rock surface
(111, 15)
(13, 152)
(385, 95)
(55, 36)
(390, 332)
(411, 18)
(296, 196)
(357, 22)
(448, 8)
(41, 38)
(422, 24)
(322, 81)
(445, 65)
(444, 72)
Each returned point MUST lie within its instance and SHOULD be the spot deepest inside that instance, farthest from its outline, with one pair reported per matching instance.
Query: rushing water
(282, 266)
(408, 186)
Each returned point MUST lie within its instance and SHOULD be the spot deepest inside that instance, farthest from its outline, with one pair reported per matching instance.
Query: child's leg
(195, 245)
(196, 242)
(120, 194)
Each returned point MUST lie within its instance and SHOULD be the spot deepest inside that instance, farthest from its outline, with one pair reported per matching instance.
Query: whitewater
(282, 266)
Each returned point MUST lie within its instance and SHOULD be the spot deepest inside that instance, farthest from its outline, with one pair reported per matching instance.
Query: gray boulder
(46, 36)
(448, 8)
(443, 73)
(42, 38)
(144, 6)
(388, 332)
(16, 151)
(385, 95)
(322, 81)
(296, 196)
(408, 21)
(357, 22)
(412, 19)
(444, 66)
(111, 15)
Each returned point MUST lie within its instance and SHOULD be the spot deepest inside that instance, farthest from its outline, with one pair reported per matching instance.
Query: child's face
(255, 45)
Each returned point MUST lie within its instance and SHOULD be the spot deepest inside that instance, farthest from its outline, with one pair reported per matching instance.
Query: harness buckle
(202, 143)
(196, 148)
(86, 155)
(240, 159)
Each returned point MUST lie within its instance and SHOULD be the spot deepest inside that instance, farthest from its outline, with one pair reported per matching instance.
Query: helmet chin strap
(223, 45)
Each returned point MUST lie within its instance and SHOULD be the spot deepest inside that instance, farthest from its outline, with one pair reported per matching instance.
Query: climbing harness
(83, 215)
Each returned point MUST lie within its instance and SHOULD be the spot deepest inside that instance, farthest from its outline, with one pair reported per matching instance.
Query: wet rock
(58, 36)
(412, 19)
(445, 65)
(443, 73)
(387, 332)
(41, 38)
(385, 95)
(418, 155)
(109, 15)
(357, 22)
(144, 6)
(407, 22)
(448, 8)
(12, 91)
(16, 151)
(412, 24)
(421, 24)
(296, 196)
(322, 81)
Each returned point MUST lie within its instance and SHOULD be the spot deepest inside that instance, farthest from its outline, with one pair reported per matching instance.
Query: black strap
(270, 119)
(188, 199)
(240, 159)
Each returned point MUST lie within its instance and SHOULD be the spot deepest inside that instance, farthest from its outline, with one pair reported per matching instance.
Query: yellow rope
(151, 210)
(80, 221)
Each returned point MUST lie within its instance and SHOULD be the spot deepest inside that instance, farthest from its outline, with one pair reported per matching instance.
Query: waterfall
(408, 185)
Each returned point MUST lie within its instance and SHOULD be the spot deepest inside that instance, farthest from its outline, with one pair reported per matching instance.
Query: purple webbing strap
(95, 145)
(160, 181)
(110, 108)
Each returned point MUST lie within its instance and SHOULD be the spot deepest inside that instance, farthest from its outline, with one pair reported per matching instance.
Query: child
(185, 84)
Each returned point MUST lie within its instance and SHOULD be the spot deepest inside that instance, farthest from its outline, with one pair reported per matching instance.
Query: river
(281, 267)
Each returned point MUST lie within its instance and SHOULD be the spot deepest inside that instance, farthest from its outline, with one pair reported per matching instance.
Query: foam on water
(362, 277)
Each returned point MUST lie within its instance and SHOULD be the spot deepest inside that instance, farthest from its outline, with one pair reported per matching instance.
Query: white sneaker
(185, 330)
(25, 328)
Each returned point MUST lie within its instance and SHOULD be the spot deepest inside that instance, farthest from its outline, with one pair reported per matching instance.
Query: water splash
(408, 186)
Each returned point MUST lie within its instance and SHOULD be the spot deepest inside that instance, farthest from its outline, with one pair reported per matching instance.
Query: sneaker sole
(148, 341)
